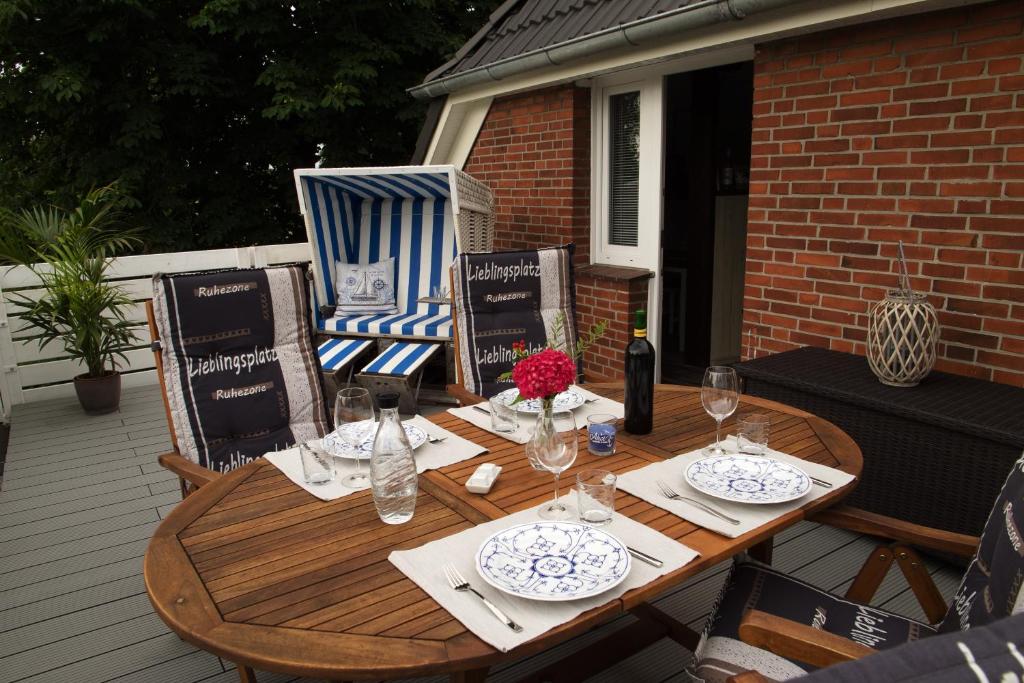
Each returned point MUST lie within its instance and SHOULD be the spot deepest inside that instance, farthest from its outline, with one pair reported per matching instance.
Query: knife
(482, 410)
(644, 557)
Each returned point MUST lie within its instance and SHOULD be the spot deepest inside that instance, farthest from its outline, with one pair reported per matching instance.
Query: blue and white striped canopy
(365, 215)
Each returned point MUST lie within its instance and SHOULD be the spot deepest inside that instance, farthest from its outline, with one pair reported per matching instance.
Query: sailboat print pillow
(366, 288)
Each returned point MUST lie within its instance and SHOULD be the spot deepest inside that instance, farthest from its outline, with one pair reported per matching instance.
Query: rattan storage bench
(935, 454)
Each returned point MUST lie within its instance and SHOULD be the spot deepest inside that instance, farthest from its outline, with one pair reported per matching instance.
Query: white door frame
(649, 81)
(647, 253)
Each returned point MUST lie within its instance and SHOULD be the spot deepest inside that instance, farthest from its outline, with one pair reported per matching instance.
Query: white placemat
(429, 456)
(424, 565)
(599, 405)
(643, 484)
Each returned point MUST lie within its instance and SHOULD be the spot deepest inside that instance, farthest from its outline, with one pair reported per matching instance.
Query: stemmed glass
(557, 456)
(720, 395)
(354, 420)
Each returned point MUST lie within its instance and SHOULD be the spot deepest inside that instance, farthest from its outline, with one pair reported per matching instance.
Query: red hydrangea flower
(544, 374)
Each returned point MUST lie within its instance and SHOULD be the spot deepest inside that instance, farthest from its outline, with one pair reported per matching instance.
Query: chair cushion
(752, 585)
(240, 369)
(991, 652)
(991, 587)
(366, 288)
(429, 321)
(506, 297)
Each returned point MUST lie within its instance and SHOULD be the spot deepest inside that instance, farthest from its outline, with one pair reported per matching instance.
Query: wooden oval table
(258, 571)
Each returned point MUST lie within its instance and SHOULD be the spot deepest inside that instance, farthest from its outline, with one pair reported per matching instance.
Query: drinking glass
(595, 493)
(720, 395)
(601, 434)
(355, 407)
(504, 418)
(752, 434)
(317, 466)
(558, 455)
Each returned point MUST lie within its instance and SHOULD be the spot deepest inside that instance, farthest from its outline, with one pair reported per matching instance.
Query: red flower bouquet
(544, 374)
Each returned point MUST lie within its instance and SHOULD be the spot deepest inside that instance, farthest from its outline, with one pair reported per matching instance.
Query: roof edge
(630, 34)
(497, 15)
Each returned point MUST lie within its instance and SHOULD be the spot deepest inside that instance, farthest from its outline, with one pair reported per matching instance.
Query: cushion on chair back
(504, 297)
(986, 653)
(991, 587)
(239, 363)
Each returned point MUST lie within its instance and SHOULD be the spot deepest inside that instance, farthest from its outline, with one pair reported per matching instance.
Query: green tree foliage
(203, 109)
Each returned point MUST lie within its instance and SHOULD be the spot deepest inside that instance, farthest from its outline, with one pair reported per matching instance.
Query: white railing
(28, 373)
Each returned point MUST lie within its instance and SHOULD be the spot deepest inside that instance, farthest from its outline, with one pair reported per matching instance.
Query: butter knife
(644, 557)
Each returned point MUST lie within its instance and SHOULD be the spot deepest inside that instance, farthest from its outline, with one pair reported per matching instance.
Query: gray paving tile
(69, 603)
(69, 584)
(68, 625)
(57, 522)
(195, 666)
(75, 548)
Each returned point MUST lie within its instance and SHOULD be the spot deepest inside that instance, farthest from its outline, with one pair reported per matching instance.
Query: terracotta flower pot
(99, 395)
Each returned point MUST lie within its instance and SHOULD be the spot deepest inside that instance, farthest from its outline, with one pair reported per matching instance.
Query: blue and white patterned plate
(553, 561)
(747, 479)
(567, 400)
(335, 445)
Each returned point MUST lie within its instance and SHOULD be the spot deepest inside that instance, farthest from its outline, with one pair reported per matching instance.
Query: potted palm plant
(70, 251)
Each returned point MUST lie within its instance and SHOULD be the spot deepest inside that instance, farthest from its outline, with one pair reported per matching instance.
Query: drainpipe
(632, 34)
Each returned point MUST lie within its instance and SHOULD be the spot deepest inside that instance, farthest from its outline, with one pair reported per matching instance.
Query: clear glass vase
(544, 437)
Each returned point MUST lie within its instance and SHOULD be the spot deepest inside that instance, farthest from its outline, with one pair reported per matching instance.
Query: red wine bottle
(640, 379)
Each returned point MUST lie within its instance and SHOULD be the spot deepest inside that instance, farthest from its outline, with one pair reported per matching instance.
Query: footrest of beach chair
(338, 360)
(399, 369)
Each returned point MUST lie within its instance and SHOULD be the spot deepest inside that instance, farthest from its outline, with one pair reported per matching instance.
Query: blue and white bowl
(553, 561)
(747, 479)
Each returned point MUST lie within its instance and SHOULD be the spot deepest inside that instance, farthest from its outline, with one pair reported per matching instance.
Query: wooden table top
(258, 571)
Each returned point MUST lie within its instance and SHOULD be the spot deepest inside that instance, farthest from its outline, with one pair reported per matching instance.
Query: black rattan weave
(935, 454)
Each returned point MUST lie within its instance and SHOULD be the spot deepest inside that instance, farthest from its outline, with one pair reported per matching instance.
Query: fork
(436, 439)
(460, 584)
(669, 493)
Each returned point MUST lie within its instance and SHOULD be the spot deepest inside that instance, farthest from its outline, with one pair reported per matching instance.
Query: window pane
(623, 168)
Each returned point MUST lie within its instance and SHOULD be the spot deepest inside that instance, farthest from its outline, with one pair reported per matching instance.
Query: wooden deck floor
(82, 495)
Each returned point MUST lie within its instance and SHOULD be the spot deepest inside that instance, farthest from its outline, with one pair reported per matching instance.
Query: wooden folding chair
(789, 634)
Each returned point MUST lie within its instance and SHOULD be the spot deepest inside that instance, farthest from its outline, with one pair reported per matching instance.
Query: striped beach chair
(420, 216)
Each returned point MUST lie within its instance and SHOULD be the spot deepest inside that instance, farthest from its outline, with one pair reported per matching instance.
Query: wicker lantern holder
(903, 330)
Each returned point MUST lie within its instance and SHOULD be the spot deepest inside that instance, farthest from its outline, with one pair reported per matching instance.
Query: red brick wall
(908, 129)
(533, 151)
(614, 294)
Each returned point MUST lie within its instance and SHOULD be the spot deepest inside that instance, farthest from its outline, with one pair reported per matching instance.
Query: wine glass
(354, 420)
(558, 455)
(720, 395)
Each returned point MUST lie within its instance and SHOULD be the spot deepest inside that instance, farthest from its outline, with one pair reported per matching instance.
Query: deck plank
(78, 507)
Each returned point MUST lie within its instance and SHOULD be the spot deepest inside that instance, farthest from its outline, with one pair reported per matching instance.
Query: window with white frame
(626, 173)
(623, 140)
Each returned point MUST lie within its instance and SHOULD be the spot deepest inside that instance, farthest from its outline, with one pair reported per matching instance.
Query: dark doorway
(707, 164)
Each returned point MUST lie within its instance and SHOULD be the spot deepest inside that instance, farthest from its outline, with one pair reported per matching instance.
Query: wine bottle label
(639, 333)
